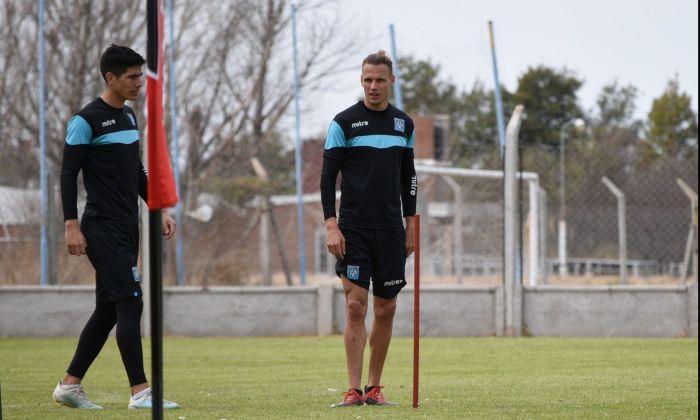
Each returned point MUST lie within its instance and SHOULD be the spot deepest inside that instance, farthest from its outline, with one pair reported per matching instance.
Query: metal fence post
(691, 246)
(534, 231)
(621, 226)
(542, 226)
(510, 224)
(458, 251)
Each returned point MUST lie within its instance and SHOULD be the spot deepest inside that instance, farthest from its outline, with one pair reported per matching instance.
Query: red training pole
(416, 309)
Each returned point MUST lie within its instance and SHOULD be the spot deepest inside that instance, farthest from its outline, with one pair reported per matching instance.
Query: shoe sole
(62, 404)
(148, 408)
(339, 405)
(387, 403)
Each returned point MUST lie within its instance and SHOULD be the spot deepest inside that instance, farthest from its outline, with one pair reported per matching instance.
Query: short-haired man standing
(102, 140)
(371, 144)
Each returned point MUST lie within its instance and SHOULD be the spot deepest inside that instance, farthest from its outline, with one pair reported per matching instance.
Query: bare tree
(235, 79)
(76, 34)
(234, 69)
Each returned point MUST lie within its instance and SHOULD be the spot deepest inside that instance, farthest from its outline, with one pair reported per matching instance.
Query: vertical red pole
(416, 309)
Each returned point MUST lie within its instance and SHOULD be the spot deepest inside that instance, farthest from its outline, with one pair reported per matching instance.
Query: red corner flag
(161, 182)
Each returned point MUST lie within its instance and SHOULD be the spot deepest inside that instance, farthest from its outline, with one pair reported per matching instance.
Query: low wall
(240, 311)
(620, 311)
(445, 311)
(54, 311)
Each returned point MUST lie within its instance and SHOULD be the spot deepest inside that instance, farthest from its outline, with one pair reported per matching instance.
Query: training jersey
(373, 151)
(103, 142)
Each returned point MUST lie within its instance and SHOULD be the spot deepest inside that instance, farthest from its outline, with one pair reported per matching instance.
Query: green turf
(232, 378)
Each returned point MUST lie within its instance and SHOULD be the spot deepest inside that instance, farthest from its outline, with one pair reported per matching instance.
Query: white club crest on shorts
(353, 272)
(137, 275)
(399, 124)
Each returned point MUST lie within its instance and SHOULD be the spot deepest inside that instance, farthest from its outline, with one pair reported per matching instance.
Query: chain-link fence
(257, 243)
(643, 233)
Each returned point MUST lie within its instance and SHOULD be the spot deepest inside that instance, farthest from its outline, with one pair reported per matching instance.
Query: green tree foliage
(614, 123)
(550, 100)
(423, 91)
(473, 135)
(616, 105)
(549, 97)
(477, 144)
(673, 125)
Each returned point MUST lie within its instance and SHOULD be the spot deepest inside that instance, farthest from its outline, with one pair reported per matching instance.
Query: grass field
(247, 378)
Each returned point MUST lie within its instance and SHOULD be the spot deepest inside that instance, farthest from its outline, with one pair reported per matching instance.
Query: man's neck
(111, 99)
(380, 108)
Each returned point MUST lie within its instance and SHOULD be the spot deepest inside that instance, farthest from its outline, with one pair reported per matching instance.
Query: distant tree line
(550, 99)
(613, 141)
(234, 80)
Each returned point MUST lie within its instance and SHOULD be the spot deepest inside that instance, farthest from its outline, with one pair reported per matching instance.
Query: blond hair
(378, 58)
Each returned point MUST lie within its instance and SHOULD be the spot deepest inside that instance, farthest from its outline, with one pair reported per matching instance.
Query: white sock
(141, 393)
(69, 386)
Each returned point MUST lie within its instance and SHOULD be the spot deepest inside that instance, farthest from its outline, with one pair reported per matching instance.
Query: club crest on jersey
(353, 272)
(399, 124)
(131, 117)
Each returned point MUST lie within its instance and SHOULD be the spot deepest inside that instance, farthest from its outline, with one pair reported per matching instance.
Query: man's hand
(410, 235)
(168, 224)
(335, 240)
(75, 240)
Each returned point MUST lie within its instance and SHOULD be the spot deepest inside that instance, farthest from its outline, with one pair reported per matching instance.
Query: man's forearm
(331, 223)
(71, 223)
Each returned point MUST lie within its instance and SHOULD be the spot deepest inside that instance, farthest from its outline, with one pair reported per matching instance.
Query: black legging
(127, 315)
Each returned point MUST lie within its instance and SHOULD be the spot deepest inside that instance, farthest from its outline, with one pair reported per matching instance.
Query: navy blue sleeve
(143, 182)
(409, 181)
(78, 135)
(329, 174)
(333, 154)
(72, 163)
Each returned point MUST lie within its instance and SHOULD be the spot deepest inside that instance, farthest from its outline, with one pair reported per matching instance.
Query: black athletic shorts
(113, 249)
(376, 255)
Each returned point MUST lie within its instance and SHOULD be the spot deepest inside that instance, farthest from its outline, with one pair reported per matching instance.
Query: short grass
(299, 377)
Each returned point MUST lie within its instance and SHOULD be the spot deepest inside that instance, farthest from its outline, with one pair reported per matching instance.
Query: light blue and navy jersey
(103, 142)
(373, 151)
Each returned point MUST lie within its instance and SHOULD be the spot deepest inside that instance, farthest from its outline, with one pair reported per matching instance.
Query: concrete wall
(240, 311)
(445, 311)
(53, 311)
(619, 311)
(692, 309)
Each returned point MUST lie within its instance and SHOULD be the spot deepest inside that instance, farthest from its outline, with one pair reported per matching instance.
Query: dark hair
(117, 59)
(377, 58)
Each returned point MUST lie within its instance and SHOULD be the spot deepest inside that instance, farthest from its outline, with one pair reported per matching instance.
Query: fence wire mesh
(245, 243)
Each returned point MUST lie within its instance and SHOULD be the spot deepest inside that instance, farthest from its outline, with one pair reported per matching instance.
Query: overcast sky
(640, 42)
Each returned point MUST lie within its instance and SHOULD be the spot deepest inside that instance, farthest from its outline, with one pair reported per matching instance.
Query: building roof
(19, 206)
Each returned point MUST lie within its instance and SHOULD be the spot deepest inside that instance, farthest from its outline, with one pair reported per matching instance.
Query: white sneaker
(74, 397)
(146, 401)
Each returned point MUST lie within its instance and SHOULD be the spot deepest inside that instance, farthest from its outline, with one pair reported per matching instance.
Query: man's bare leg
(380, 337)
(355, 334)
(70, 380)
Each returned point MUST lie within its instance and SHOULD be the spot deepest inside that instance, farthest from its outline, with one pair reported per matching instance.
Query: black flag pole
(156, 285)
(162, 192)
(153, 46)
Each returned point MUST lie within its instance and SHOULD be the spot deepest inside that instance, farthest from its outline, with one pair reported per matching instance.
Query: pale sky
(639, 42)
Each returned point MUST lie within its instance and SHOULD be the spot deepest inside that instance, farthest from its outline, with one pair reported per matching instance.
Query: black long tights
(126, 314)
